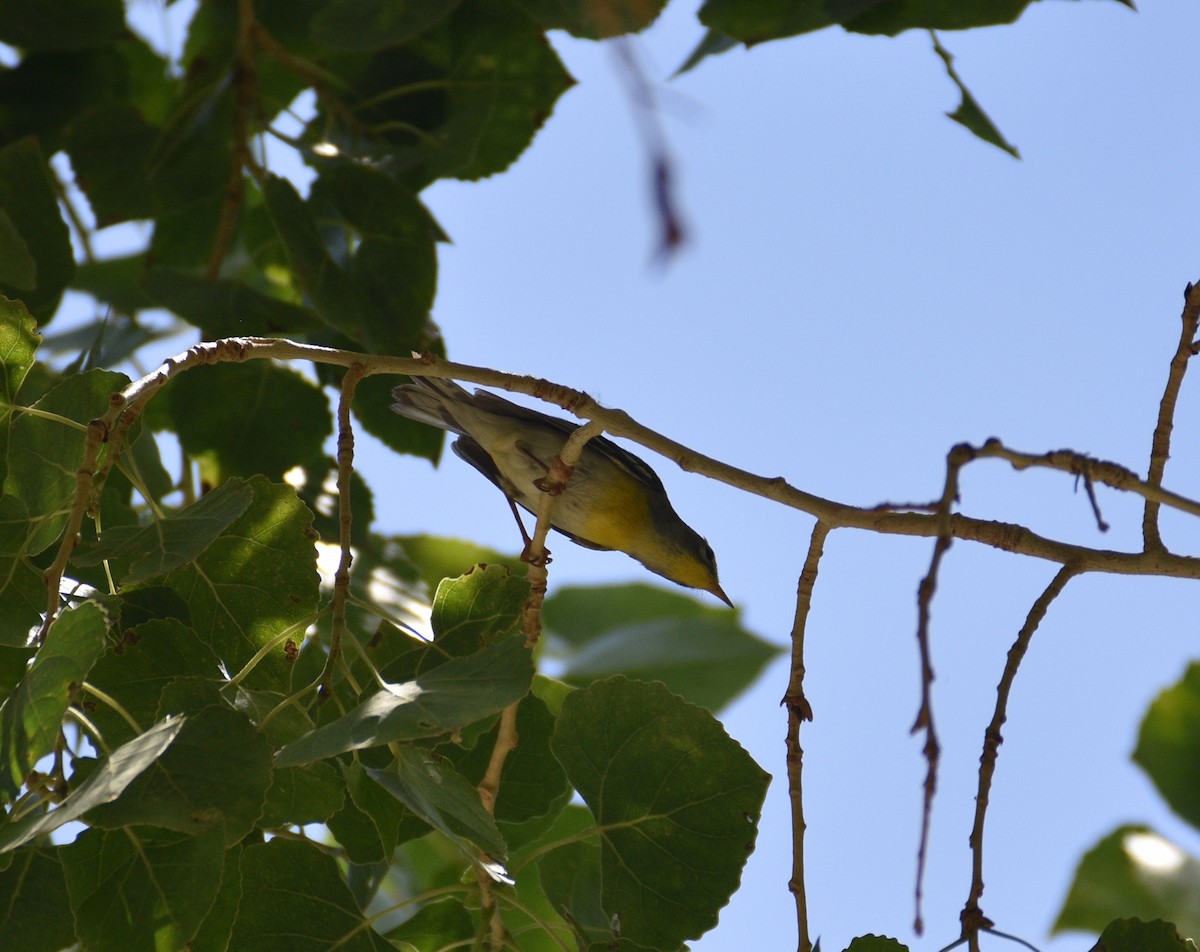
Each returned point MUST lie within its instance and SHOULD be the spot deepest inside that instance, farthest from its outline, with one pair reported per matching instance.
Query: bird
(612, 501)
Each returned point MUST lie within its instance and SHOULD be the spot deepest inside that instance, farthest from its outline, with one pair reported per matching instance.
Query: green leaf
(1134, 935)
(115, 281)
(651, 634)
(533, 782)
(369, 824)
(31, 716)
(435, 926)
(394, 261)
(154, 550)
(1133, 872)
(102, 785)
(213, 935)
(223, 308)
(676, 801)
(334, 295)
(478, 608)
(300, 795)
(969, 114)
(437, 557)
(135, 671)
(22, 600)
(217, 770)
(1168, 746)
(141, 889)
(365, 25)
(464, 103)
(18, 343)
(111, 147)
(433, 790)
(254, 583)
(713, 43)
(295, 900)
(248, 418)
(891, 17)
(60, 24)
(876, 943)
(452, 695)
(594, 19)
(17, 267)
(44, 453)
(28, 198)
(35, 915)
(755, 21)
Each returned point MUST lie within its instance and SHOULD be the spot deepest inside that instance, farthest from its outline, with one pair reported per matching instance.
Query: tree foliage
(205, 742)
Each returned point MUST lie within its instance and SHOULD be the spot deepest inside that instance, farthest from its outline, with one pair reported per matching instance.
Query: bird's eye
(708, 553)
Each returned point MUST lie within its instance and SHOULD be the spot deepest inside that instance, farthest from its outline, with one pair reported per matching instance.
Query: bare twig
(1090, 469)
(1160, 445)
(972, 917)
(245, 91)
(799, 710)
(489, 788)
(341, 579)
(955, 460)
(672, 233)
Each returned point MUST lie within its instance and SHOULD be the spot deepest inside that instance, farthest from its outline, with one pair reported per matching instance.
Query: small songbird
(613, 500)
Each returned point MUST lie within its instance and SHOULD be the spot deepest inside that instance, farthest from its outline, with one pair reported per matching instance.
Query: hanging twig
(1160, 444)
(798, 711)
(955, 460)
(972, 917)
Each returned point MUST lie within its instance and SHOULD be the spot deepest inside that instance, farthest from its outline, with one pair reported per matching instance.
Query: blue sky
(866, 285)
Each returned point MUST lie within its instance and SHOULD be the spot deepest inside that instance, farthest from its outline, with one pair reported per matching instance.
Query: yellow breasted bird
(613, 500)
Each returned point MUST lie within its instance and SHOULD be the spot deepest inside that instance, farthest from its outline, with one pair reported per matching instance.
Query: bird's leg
(543, 558)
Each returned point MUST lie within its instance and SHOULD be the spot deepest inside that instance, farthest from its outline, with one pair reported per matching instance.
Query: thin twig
(1090, 469)
(489, 789)
(798, 711)
(972, 917)
(245, 90)
(955, 460)
(1160, 445)
(341, 579)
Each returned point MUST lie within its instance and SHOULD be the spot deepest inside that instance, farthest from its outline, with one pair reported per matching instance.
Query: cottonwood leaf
(452, 695)
(30, 203)
(44, 453)
(257, 579)
(244, 419)
(438, 794)
(32, 715)
(135, 672)
(36, 914)
(1134, 935)
(217, 771)
(1133, 872)
(702, 654)
(141, 889)
(165, 544)
(1168, 746)
(102, 785)
(294, 899)
(676, 803)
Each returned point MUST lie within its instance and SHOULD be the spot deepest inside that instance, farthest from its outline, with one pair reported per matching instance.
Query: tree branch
(799, 710)
(1160, 444)
(972, 917)
(955, 460)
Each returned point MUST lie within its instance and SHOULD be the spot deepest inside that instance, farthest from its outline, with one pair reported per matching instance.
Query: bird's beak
(716, 589)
